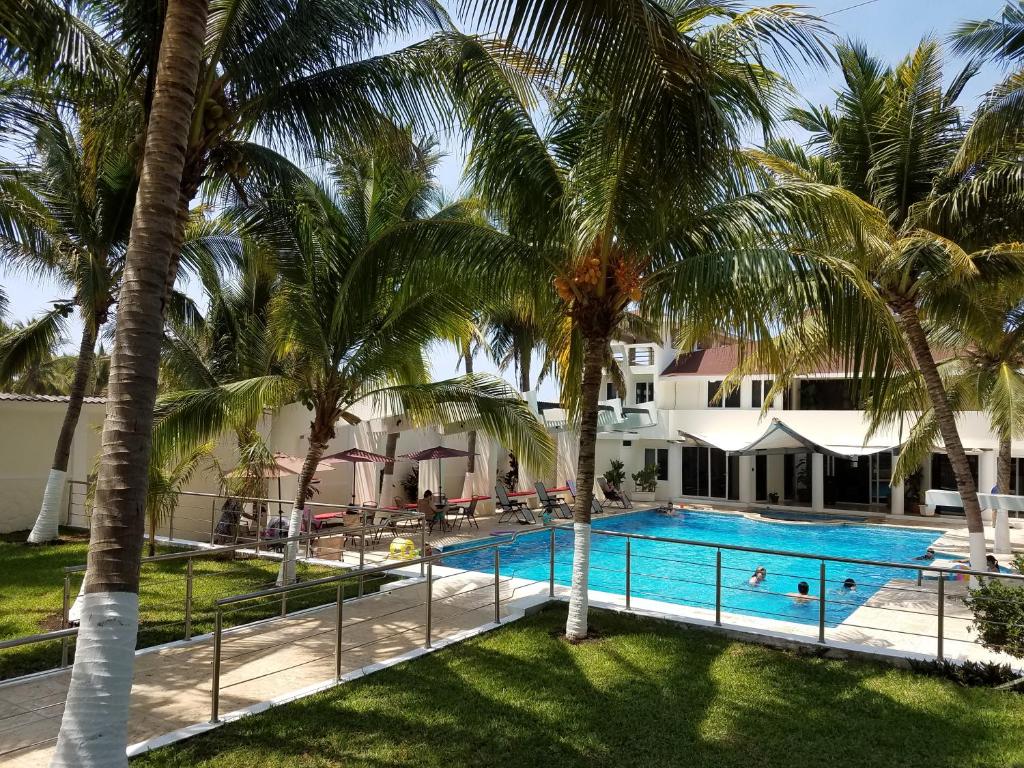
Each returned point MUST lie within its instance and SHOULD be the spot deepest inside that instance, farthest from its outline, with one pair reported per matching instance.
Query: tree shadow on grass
(646, 695)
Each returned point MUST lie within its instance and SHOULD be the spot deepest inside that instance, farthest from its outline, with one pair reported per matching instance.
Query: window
(610, 392)
(644, 392)
(759, 389)
(732, 400)
(658, 457)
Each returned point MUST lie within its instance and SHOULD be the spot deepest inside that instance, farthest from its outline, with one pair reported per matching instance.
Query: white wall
(28, 436)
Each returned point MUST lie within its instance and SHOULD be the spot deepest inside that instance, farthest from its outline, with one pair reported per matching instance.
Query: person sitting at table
(425, 506)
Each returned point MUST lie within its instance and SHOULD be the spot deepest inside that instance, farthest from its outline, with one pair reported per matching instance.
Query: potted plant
(645, 482)
(773, 498)
(615, 476)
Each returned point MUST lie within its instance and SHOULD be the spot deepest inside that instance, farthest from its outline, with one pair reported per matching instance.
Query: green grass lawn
(645, 694)
(31, 595)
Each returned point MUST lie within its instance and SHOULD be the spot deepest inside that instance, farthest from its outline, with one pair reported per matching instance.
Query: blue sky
(890, 27)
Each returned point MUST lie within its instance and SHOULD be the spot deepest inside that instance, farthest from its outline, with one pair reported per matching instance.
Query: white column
(986, 478)
(896, 496)
(675, 473)
(366, 472)
(817, 482)
(747, 484)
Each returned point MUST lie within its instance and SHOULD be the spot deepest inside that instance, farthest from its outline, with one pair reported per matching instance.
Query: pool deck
(284, 658)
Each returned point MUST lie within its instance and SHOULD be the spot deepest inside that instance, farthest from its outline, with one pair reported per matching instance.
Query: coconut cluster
(587, 274)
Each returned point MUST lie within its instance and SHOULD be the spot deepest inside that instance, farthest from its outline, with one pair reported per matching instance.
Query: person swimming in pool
(929, 554)
(760, 574)
(803, 593)
(849, 585)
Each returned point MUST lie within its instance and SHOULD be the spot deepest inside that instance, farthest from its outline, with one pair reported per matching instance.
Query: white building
(810, 450)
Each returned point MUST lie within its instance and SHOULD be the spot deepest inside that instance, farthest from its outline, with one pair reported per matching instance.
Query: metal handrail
(225, 548)
(803, 555)
(269, 591)
(285, 589)
(42, 637)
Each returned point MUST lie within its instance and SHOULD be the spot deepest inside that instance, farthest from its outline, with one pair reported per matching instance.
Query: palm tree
(66, 213)
(889, 151)
(352, 323)
(169, 472)
(624, 201)
(94, 725)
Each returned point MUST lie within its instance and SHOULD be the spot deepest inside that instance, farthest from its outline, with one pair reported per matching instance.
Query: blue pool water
(685, 574)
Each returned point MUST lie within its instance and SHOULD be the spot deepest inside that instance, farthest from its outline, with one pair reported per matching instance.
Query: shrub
(970, 674)
(646, 480)
(998, 609)
(615, 476)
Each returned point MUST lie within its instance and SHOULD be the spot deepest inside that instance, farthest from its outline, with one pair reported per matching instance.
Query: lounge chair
(553, 504)
(512, 509)
(613, 496)
(458, 514)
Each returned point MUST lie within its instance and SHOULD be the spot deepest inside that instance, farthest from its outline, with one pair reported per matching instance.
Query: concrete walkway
(264, 661)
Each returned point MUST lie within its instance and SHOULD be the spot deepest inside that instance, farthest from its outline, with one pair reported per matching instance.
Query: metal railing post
(430, 600)
(920, 576)
(718, 587)
(629, 572)
(497, 586)
(213, 519)
(188, 599)
(215, 685)
(71, 493)
(337, 632)
(821, 605)
(258, 512)
(64, 620)
(941, 615)
(423, 543)
(551, 575)
(284, 604)
(362, 552)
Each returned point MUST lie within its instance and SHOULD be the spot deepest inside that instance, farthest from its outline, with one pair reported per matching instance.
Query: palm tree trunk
(524, 369)
(45, 528)
(388, 480)
(576, 623)
(319, 435)
(94, 727)
(1004, 463)
(471, 436)
(946, 420)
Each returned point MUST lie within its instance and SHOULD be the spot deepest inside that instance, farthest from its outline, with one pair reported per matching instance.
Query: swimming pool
(685, 574)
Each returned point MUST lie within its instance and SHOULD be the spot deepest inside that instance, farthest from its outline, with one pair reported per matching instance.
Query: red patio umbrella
(438, 452)
(357, 456)
(283, 465)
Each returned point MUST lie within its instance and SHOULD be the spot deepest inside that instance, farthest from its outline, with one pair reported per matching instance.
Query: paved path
(260, 662)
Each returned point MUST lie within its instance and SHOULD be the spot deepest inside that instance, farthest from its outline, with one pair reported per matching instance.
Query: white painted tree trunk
(286, 575)
(75, 611)
(576, 623)
(45, 528)
(976, 541)
(94, 730)
(1002, 533)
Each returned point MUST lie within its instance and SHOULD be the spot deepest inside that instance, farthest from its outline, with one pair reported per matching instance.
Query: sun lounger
(512, 509)
(614, 496)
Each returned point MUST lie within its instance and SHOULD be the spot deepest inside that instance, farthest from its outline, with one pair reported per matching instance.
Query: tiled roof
(716, 361)
(46, 398)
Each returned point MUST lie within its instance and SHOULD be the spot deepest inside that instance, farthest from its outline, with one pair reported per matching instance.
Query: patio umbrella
(358, 456)
(283, 465)
(438, 452)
